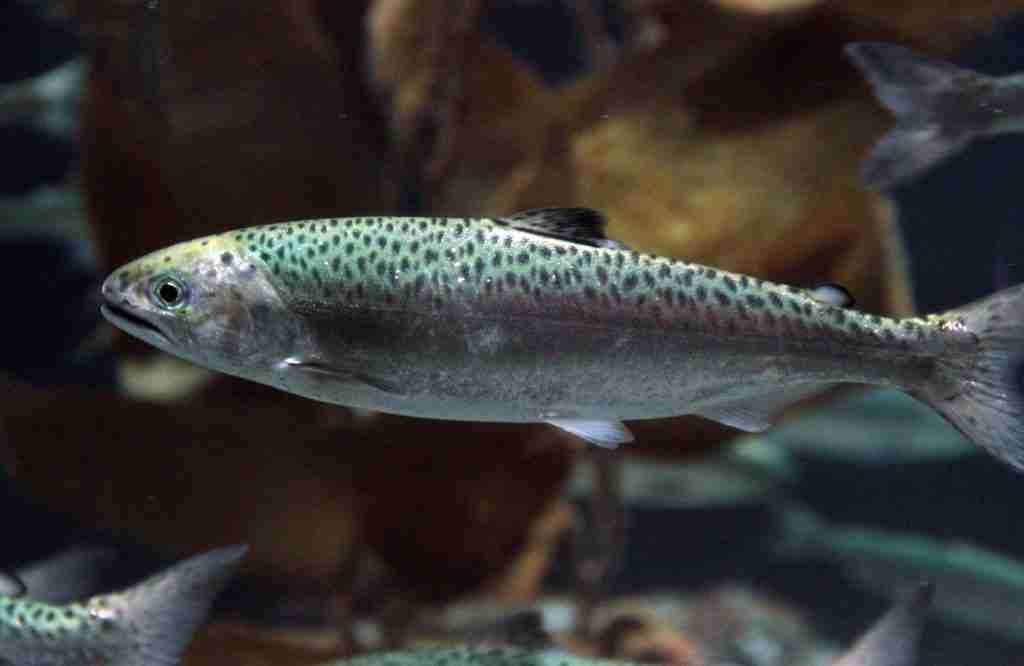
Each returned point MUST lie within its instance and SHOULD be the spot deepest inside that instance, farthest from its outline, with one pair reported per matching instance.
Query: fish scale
(538, 317)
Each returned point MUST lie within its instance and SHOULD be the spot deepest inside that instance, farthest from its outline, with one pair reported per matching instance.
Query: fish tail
(932, 102)
(979, 388)
(165, 610)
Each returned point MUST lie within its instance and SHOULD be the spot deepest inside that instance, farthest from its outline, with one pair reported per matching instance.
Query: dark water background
(964, 232)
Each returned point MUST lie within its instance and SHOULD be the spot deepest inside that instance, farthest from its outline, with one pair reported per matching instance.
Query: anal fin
(758, 413)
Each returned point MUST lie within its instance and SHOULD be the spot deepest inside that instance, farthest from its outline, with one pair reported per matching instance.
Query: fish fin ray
(167, 608)
(906, 82)
(980, 389)
(328, 372)
(606, 434)
(893, 640)
(758, 413)
(932, 100)
(578, 225)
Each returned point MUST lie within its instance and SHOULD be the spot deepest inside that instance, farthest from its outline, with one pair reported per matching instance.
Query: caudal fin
(932, 101)
(979, 389)
(165, 610)
(893, 640)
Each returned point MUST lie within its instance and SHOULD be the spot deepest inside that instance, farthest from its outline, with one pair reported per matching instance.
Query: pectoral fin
(608, 434)
(758, 413)
(329, 373)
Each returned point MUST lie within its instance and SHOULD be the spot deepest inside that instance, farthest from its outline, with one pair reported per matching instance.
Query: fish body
(975, 586)
(537, 317)
(69, 575)
(940, 108)
(146, 625)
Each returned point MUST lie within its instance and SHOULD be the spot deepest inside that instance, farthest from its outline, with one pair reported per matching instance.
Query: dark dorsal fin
(577, 225)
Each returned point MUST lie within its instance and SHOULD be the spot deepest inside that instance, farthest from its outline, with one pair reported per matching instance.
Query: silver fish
(145, 625)
(940, 108)
(978, 588)
(537, 317)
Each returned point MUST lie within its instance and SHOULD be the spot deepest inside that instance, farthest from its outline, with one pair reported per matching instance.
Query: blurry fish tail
(979, 390)
(166, 610)
(931, 100)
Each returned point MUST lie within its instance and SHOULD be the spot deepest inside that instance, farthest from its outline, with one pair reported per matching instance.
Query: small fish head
(205, 300)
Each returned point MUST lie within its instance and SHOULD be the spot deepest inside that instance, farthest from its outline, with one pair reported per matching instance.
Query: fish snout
(107, 291)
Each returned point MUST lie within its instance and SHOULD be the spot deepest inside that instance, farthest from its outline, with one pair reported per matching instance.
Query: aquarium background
(367, 521)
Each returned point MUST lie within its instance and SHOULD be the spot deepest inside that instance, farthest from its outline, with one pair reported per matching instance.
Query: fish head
(209, 301)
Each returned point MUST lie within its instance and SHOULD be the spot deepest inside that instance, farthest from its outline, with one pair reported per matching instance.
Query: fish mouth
(135, 325)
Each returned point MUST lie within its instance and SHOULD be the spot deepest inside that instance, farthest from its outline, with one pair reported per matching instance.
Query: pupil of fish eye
(169, 293)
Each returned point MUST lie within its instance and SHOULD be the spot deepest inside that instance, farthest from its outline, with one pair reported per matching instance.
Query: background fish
(538, 317)
(940, 108)
(892, 641)
(147, 624)
(68, 575)
(976, 587)
(49, 102)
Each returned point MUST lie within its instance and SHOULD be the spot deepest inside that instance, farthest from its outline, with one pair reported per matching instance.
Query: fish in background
(148, 624)
(976, 587)
(68, 575)
(49, 102)
(939, 108)
(538, 317)
(891, 641)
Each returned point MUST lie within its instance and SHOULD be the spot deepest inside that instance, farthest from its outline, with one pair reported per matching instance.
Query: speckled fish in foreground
(940, 108)
(538, 318)
(146, 625)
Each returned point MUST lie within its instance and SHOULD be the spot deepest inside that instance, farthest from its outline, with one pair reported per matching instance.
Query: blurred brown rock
(447, 510)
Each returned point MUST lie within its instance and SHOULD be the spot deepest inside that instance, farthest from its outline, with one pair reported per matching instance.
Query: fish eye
(169, 293)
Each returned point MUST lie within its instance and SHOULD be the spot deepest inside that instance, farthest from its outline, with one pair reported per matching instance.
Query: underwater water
(589, 473)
